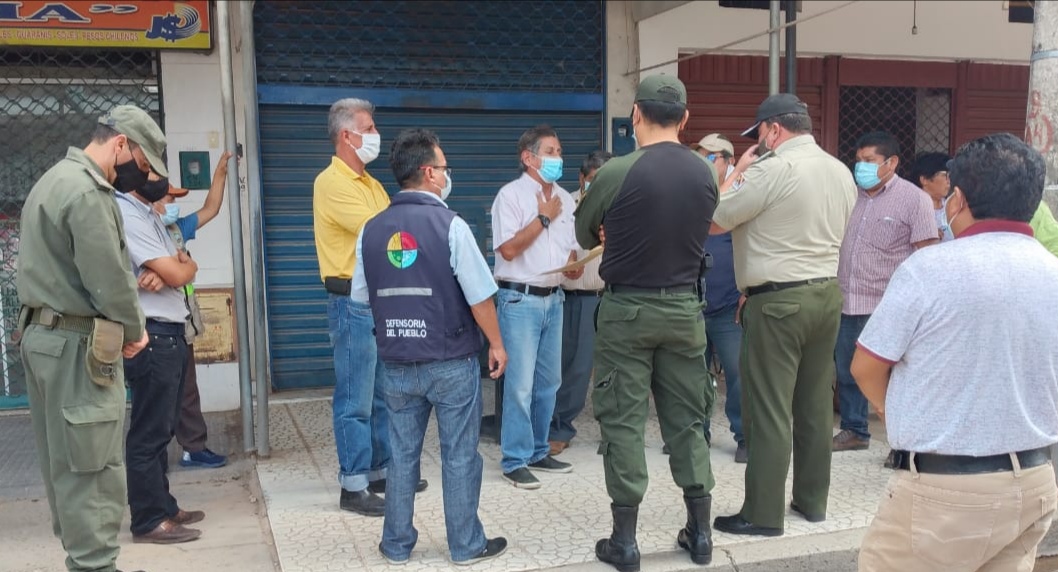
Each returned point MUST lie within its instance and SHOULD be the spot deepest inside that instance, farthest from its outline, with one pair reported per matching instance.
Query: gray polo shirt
(148, 240)
(970, 330)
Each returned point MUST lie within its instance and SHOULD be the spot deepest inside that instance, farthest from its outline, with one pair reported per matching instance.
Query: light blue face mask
(550, 169)
(866, 175)
(172, 213)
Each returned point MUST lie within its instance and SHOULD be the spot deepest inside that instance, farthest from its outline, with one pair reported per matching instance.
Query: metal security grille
(438, 45)
(919, 118)
(50, 100)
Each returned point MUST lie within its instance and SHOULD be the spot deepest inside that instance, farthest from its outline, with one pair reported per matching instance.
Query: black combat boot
(621, 550)
(697, 537)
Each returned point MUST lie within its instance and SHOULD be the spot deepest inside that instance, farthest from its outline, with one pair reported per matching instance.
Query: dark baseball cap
(775, 105)
(140, 128)
(661, 87)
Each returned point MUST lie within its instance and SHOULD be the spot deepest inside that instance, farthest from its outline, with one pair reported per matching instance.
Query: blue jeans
(851, 400)
(578, 343)
(453, 388)
(531, 327)
(360, 426)
(725, 336)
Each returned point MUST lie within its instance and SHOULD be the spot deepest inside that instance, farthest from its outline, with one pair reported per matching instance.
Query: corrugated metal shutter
(723, 93)
(481, 148)
(993, 99)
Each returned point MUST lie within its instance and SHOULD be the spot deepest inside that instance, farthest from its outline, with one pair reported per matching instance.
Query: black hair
(796, 123)
(886, 145)
(594, 160)
(662, 113)
(412, 150)
(928, 165)
(530, 141)
(103, 133)
(1001, 177)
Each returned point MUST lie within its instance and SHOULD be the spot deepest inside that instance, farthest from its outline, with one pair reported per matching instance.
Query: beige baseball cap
(715, 142)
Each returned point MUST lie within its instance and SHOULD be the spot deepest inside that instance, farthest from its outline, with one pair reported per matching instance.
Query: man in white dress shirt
(532, 233)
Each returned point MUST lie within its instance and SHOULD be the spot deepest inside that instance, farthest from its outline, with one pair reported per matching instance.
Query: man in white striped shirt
(892, 218)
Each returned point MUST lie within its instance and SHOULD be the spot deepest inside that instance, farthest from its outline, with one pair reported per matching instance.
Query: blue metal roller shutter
(481, 148)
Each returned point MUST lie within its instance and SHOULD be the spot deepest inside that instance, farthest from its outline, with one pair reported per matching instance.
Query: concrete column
(1041, 126)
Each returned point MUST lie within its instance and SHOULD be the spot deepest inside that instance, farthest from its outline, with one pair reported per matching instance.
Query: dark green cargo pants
(787, 370)
(78, 427)
(652, 343)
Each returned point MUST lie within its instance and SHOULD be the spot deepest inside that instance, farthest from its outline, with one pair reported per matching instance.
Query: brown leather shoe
(558, 446)
(168, 532)
(185, 517)
(848, 441)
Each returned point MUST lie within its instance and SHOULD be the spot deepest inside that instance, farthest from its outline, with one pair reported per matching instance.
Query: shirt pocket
(887, 233)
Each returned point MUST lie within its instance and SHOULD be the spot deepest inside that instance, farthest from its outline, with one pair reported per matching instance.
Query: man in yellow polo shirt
(344, 197)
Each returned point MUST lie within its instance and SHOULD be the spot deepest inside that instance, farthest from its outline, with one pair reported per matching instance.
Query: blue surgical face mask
(172, 213)
(866, 175)
(550, 169)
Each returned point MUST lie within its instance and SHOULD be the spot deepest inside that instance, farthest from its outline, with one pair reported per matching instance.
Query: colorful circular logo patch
(402, 250)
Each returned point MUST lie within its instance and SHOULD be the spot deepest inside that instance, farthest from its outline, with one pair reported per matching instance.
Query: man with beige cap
(720, 152)
(80, 315)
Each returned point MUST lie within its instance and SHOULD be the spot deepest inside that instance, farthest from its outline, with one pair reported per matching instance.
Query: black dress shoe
(735, 524)
(805, 515)
(363, 502)
(379, 487)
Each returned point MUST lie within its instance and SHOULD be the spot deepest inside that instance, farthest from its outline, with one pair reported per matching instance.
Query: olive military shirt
(72, 254)
(788, 218)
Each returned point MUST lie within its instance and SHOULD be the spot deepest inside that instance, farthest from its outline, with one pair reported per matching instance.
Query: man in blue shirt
(723, 332)
(430, 292)
(191, 425)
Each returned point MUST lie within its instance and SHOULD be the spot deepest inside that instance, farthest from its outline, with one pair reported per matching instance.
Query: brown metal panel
(992, 98)
(891, 73)
(959, 106)
(998, 76)
(746, 70)
(831, 105)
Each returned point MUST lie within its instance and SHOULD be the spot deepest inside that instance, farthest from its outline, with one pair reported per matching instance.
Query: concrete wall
(191, 99)
(947, 30)
(622, 57)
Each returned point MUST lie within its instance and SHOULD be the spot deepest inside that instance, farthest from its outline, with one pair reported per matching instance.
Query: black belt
(527, 288)
(681, 289)
(966, 465)
(590, 293)
(776, 286)
(337, 286)
(159, 328)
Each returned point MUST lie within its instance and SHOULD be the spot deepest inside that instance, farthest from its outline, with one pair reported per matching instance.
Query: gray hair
(342, 112)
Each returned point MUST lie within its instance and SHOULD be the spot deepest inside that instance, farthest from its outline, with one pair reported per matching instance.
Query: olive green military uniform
(73, 267)
(787, 222)
(655, 204)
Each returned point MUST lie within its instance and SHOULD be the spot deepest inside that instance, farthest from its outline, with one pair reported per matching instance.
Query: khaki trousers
(954, 523)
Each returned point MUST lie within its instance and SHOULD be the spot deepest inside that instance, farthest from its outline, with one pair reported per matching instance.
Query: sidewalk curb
(830, 552)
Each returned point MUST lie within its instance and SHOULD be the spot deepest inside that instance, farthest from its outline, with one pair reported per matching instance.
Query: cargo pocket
(103, 358)
(779, 310)
(951, 534)
(604, 397)
(93, 435)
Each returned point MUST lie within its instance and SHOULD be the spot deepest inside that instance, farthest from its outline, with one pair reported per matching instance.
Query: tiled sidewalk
(554, 526)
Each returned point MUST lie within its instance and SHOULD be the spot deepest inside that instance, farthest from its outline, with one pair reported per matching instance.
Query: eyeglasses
(446, 168)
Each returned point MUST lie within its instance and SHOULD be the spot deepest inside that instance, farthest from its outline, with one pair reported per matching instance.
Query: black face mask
(154, 191)
(130, 177)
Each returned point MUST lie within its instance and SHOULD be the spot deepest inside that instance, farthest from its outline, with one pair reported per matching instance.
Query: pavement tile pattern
(554, 526)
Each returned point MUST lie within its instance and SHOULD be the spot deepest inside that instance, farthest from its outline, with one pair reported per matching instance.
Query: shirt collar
(142, 206)
(997, 225)
(884, 188)
(81, 158)
(427, 193)
(795, 142)
(345, 169)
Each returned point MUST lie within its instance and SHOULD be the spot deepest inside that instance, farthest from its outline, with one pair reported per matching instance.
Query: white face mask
(369, 148)
(447, 189)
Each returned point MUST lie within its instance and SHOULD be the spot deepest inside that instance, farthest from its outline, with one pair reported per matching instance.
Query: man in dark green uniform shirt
(653, 208)
(80, 314)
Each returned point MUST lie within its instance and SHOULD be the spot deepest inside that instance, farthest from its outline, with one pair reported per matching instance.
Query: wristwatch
(544, 220)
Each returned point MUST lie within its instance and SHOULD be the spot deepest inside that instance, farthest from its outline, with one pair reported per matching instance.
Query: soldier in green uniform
(80, 315)
(653, 209)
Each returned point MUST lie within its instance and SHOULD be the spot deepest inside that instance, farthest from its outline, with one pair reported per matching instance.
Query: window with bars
(50, 100)
(919, 118)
